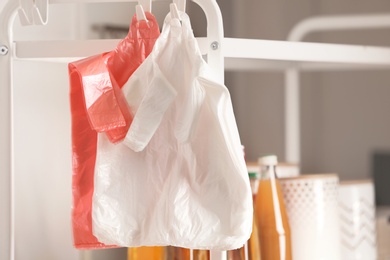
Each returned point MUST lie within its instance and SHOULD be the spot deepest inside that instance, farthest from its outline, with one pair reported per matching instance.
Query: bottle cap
(268, 160)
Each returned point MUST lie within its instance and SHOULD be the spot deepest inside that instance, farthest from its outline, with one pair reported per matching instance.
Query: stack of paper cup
(312, 206)
(383, 232)
(357, 220)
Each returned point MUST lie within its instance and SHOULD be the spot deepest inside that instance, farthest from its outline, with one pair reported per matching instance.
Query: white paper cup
(287, 170)
(357, 220)
(383, 232)
(312, 207)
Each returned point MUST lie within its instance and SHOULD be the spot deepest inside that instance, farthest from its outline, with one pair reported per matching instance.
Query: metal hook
(140, 13)
(146, 5)
(41, 12)
(33, 12)
(174, 11)
(181, 5)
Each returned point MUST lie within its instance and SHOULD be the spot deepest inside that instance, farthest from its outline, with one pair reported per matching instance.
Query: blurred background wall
(344, 118)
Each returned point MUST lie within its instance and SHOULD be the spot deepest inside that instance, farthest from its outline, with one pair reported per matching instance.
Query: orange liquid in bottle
(201, 254)
(146, 252)
(254, 244)
(271, 218)
(178, 253)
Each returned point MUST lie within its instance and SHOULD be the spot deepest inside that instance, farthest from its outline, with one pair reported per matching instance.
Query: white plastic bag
(179, 178)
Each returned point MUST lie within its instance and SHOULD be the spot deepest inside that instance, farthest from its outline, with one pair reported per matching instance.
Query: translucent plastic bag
(95, 84)
(179, 177)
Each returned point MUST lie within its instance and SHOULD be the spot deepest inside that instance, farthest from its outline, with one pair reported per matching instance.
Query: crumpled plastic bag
(99, 79)
(179, 177)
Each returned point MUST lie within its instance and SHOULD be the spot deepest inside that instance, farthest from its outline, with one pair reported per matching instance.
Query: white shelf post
(7, 17)
(292, 116)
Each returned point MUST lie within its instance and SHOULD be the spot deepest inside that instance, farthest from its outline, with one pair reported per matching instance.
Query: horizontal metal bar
(96, 1)
(248, 54)
(305, 52)
(337, 23)
(71, 49)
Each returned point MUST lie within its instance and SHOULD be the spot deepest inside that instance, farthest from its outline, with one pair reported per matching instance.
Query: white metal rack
(237, 54)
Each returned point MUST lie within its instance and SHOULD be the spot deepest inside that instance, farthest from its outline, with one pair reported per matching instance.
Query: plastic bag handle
(158, 98)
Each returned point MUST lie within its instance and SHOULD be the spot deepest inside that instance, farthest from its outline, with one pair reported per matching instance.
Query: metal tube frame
(292, 75)
(6, 134)
(215, 59)
(7, 53)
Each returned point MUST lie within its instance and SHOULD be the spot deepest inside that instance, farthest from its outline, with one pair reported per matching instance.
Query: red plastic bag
(97, 104)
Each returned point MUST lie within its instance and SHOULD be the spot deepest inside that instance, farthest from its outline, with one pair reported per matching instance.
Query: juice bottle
(270, 213)
(237, 254)
(146, 252)
(201, 254)
(178, 253)
(253, 242)
(254, 252)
